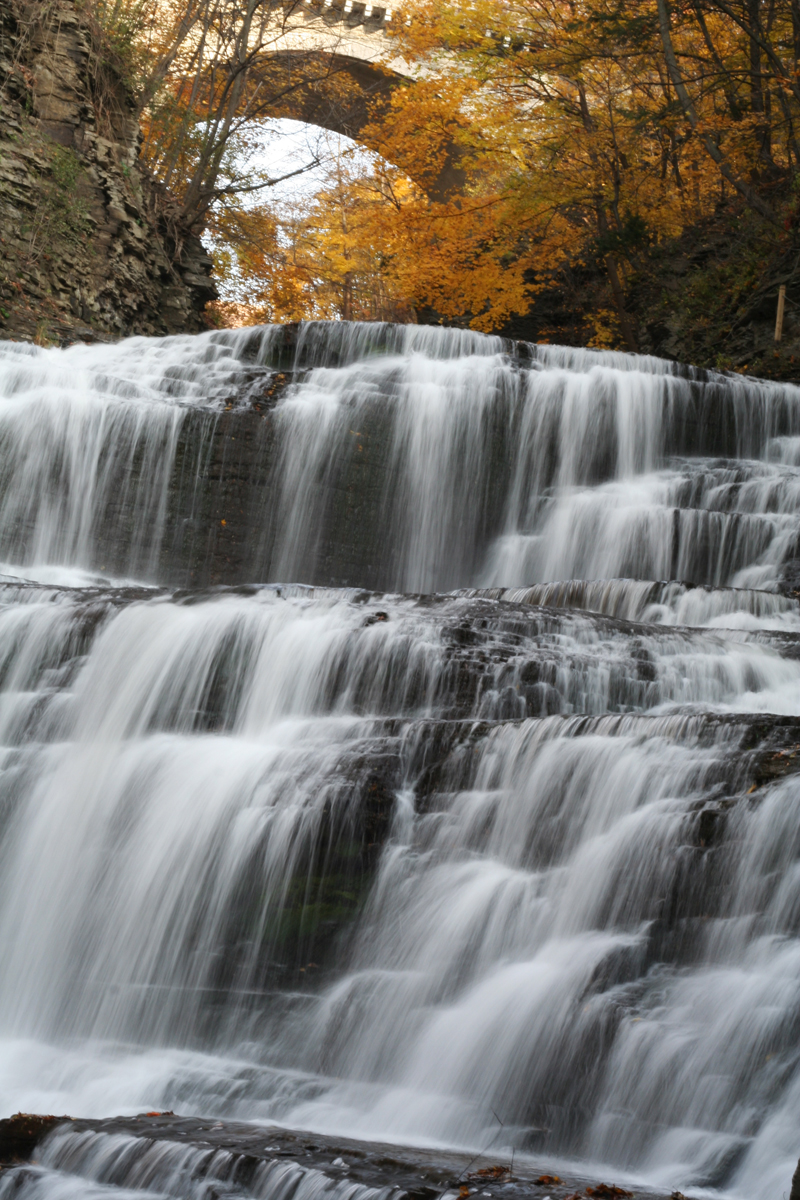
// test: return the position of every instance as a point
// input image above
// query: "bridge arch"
(329, 66)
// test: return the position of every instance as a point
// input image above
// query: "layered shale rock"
(83, 254)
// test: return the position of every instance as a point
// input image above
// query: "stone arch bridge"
(331, 63)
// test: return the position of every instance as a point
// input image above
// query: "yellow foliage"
(536, 137)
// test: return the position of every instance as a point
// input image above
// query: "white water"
(115, 1165)
(487, 819)
(460, 467)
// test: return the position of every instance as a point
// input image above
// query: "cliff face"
(82, 250)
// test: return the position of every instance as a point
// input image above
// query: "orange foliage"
(569, 133)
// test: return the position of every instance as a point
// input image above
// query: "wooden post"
(779, 316)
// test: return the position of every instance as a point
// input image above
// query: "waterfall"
(399, 738)
(396, 458)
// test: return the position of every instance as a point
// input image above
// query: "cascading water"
(461, 807)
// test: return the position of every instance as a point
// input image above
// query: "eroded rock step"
(226, 490)
(433, 684)
(224, 513)
(486, 656)
(190, 1157)
(489, 664)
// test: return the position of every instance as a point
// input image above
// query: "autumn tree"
(594, 129)
(527, 140)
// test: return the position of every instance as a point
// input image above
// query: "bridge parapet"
(357, 29)
(369, 18)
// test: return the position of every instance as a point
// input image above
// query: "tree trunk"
(758, 103)
(714, 152)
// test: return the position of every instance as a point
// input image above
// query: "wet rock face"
(231, 1158)
(436, 725)
(82, 256)
(22, 1133)
(299, 937)
(235, 480)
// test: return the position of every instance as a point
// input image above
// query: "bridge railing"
(376, 17)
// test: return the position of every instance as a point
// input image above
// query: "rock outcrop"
(83, 252)
(243, 1158)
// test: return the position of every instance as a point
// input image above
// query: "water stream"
(439, 816)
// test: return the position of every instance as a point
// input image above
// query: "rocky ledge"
(407, 1173)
